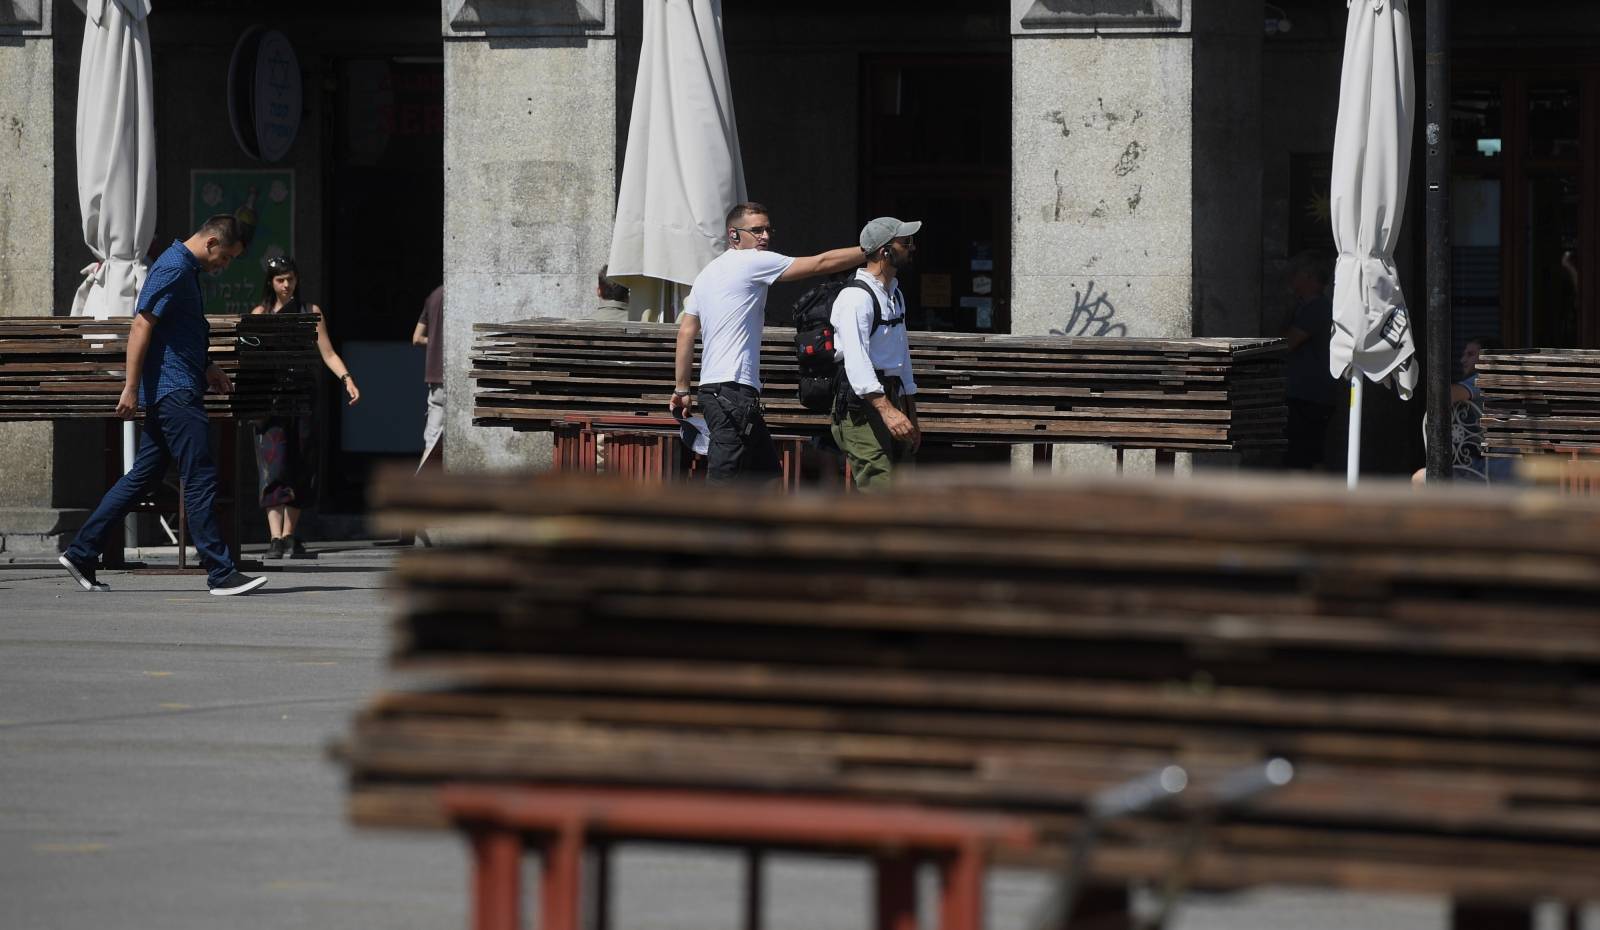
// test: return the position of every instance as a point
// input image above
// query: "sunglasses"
(279, 264)
(756, 230)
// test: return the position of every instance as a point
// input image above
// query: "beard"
(900, 261)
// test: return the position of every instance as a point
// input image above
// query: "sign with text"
(263, 202)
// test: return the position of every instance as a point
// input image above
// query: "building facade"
(1113, 168)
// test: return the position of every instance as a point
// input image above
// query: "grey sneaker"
(237, 583)
(82, 574)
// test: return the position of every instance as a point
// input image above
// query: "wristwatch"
(681, 392)
(345, 376)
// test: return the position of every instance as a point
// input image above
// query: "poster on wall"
(1310, 219)
(263, 201)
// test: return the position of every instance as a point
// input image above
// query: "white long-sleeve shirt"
(864, 352)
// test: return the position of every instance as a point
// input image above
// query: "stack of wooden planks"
(1540, 400)
(1429, 662)
(1220, 394)
(55, 368)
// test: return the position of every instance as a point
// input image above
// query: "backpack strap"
(877, 310)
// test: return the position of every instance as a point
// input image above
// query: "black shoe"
(82, 574)
(237, 583)
(297, 549)
(276, 549)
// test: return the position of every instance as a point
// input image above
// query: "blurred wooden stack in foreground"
(1429, 661)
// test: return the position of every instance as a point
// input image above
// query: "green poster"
(262, 200)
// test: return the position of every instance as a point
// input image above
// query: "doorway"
(936, 146)
(1526, 204)
(385, 251)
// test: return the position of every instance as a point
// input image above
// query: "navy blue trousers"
(175, 429)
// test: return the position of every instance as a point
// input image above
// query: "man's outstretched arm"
(810, 266)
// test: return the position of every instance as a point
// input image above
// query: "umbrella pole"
(1352, 467)
(130, 529)
(1438, 251)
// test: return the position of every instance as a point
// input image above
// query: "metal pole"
(1438, 135)
(1352, 458)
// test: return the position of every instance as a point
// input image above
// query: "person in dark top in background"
(429, 334)
(613, 299)
(1311, 391)
(168, 374)
(286, 456)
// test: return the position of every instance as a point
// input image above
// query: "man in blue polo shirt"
(168, 373)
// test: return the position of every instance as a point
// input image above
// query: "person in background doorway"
(613, 305)
(168, 374)
(875, 415)
(286, 460)
(1312, 392)
(726, 309)
(1466, 403)
(429, 334)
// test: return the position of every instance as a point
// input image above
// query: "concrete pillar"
(29, 521)
(1136, 169)
(529, 186)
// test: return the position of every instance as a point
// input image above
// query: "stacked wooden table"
(56, 368)
(1429, 662)
(1218, 394)
(1540, 400)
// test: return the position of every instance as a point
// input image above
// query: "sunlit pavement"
(163, 764)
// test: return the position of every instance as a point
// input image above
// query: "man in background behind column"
(613, 297)
(1312, 392)
(430, 334)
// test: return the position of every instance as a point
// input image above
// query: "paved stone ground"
(163, 765)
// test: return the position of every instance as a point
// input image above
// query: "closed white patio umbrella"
(1372, 337)
(682, 170)
(116, 148)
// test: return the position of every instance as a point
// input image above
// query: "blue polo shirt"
(176, 359)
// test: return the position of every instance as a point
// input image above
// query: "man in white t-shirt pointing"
(726, 308)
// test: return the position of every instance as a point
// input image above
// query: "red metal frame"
(646, 449)
(560, 821)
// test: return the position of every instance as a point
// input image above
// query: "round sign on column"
(277, 95)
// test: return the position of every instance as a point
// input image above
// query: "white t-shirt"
(730, 298)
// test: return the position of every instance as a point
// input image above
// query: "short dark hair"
(226, 229)
(609, 289)
(742, 210)
(1487, 344)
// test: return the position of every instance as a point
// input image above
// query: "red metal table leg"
(897, 893)
(496, 879)
(561, 879)
(961, 897)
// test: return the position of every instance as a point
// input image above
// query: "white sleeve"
(852, 332)
(907, 379)
(767, 267)
(690, 306)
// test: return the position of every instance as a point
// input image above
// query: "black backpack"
(813, 341)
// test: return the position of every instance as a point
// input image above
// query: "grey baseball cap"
(877, 233)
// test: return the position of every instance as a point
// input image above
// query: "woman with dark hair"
(285, 452)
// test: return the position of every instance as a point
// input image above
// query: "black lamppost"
(1437, 134)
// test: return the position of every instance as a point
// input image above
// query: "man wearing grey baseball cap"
(725, 310)
(875, 417)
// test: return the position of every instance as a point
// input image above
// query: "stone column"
(529, 185)
(30, 523)
(1135, 170)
